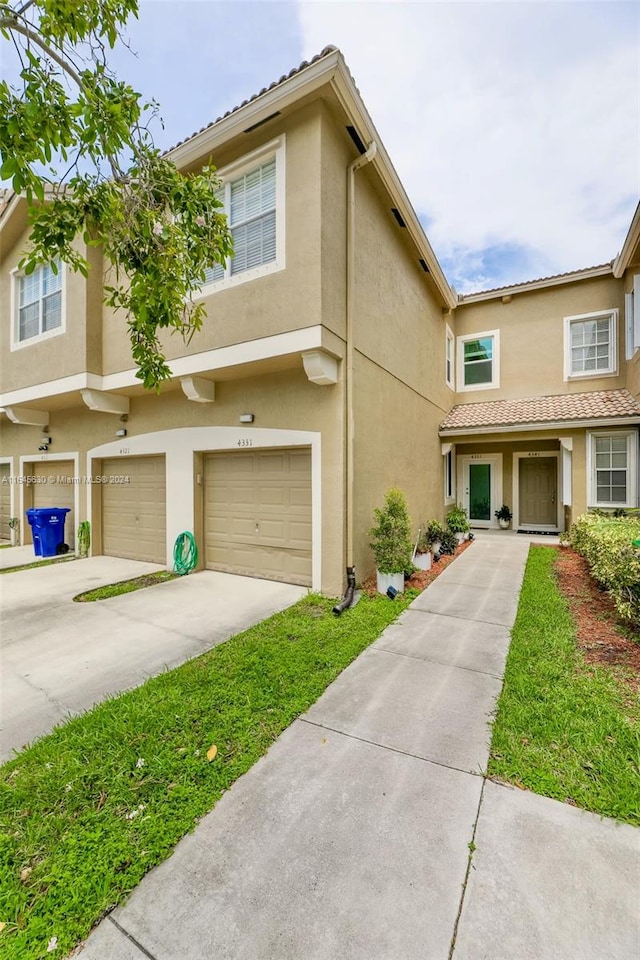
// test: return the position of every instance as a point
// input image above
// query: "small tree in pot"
(391, 541)
(434, 533)
(422, 552)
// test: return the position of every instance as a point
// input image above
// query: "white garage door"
(134, 513)
(257, 514)
(55, 492)
(5, 502)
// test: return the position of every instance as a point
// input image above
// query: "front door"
(538, 491)
(480, 480)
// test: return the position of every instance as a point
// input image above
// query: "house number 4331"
(245, 442)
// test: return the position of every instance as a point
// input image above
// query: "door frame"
(495, 461)
(538, 454)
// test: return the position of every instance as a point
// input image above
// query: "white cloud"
(513, 126)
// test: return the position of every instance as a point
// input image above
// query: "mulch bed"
(604, 639)
(421, 578)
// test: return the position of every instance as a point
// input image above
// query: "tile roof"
(276, 83)
(524, 283)
(596, 405)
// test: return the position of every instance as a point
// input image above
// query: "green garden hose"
(185, 553)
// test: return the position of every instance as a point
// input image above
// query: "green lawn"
(564, 729)
(125, 586)
(88, 810)
(38, 563)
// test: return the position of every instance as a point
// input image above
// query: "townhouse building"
(336, 361)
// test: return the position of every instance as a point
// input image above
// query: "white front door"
(480, 480)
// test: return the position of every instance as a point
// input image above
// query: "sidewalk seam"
(442, 663)
(467, 873)
(133, 940)
(382, 746)
(452, 616)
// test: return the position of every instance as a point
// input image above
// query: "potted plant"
(504, 517)
(422, 551)
(458, 523)
(449, 542)
(433, 534)
(391, 541)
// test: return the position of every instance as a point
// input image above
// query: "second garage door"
(134, 524)
(257, 514)
(55, 492)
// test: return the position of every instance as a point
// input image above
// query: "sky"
(514, 126)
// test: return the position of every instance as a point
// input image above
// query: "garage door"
(257, 514)
(134, 522)
(55, 492)
(5, 502)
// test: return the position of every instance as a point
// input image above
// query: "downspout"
(359, 162)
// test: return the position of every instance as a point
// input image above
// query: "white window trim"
(632, 469)
(275, 148)
(495, 362)
(612, 369)
(16, 342)
(449, 451)
(450, 342)
(632, 319)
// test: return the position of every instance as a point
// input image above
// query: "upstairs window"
(632, 318)
(39, 303)
(449, 360)
(479, 361)
(590, 345)
(253, 200)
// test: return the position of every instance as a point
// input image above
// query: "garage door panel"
(258, 514)
(134, 513)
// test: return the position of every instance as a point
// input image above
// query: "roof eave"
(541, 425)
(632, 238)
(497, 294)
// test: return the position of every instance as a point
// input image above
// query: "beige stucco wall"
(278, 302)
(60, 355)
(396, 444)
(531, 329)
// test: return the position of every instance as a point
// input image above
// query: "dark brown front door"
(538, 491)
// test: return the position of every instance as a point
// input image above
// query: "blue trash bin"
(47, 527)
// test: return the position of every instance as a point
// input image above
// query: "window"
(449, 358)
(479, 361)
(632, 318)
(39, 303)
(253, 199)
(449, 476)
(590, 345)
(613, 469)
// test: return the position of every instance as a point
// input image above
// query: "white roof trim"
(587, 274)
(630, 241)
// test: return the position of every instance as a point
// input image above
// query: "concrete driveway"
(59, 658)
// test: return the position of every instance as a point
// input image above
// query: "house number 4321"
(245, 442)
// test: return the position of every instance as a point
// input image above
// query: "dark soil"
(602, 636)
(421, 578)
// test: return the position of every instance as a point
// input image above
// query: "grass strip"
(564, 729)
(125, 586)
(37, 563)
(86, 811)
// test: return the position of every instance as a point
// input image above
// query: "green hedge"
(607, 545)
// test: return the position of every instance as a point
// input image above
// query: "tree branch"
(15, 27)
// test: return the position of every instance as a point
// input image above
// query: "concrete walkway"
(350, 839)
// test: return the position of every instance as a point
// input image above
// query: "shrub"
(457, 519)
(449, 542)
(391, 536)
(434, 531)
(606, 542)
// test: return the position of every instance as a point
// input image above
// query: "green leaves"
(159, 230)
(391, 535)
(606, 542)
